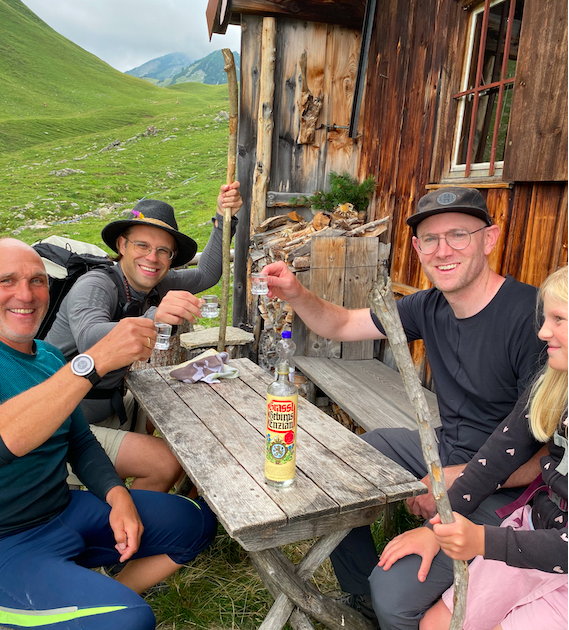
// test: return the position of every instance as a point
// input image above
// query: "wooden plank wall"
(332, 67)
(408, 136)
(332, 63)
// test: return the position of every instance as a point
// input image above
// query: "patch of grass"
(183, 164)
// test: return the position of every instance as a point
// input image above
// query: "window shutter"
(536, 148)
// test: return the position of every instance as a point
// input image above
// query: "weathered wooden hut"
(418, 94)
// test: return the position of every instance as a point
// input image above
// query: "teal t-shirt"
(33, 488)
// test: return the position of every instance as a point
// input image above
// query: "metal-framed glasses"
(144, 249)
(457, 239)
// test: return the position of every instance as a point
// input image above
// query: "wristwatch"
(84, 365)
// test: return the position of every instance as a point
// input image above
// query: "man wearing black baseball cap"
(478, 330)
(143, 283)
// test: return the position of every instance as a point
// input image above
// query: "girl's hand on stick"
(461, 540)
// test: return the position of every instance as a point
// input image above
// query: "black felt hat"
(450, 199)
(154, 214)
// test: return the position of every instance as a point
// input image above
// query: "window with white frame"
(485, 97)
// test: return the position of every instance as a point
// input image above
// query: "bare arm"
(525, 474)
(424, 505)
(324, 318)
(29, 419)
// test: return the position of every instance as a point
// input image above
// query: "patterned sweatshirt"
(510, 446)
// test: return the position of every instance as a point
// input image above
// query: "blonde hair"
(548, 397)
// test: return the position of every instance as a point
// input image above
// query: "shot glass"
(210, 306)
(259, 283)
(163, 332)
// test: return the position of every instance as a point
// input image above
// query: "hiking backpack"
(66, 260)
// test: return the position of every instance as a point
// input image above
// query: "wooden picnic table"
(217, 433)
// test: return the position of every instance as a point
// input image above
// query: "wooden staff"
(231, 161)
(383, 305)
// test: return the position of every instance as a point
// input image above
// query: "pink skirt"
(518, 599)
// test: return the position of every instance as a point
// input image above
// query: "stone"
(67, 171)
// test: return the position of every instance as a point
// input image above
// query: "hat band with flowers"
(157, 214)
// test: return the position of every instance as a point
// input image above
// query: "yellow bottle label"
(280, 443)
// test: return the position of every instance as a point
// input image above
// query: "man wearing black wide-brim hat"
(143, 283)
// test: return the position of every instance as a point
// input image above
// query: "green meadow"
(63, 109)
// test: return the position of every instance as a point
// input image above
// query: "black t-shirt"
(480, 365)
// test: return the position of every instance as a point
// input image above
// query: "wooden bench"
(369, 391)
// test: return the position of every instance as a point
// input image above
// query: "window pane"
(491, 73)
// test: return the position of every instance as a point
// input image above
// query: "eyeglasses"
(144, 248)
(457, 239)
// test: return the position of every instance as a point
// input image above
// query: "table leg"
(283, 608)
(291, 586)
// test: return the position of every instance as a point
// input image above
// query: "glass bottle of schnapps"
(280, 436)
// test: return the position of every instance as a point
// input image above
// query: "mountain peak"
(178, 68)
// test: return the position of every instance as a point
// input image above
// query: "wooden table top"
(217, 433)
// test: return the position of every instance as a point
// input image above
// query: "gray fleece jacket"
(86, 313)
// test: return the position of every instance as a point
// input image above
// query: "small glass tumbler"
(163, 332)
(259, 283)
(210, 306)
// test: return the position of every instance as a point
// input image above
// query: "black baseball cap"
(450, 199)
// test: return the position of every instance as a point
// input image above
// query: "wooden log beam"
(283, 607)
(349, 13)
(231, 162)
(287, 200)
(383, 305)
(265, 124)
(264, 131)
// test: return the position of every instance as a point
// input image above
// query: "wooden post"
(383, 305)
(231, 161)
(265, 123)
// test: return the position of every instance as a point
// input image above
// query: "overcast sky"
(128, 33)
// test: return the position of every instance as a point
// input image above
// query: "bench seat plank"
(371, 393)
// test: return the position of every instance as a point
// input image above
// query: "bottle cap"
(286, 334)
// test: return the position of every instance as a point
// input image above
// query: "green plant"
(343, 189)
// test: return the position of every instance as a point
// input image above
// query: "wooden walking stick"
(383, 305)
(231, 161)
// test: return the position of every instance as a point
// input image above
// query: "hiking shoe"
(112, 570)
(361, 603)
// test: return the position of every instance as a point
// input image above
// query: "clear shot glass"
(210, 306)
(259, 284)
(163, 332)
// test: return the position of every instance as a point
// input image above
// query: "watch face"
(82, 364)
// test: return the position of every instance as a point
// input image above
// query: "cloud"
(128, 33)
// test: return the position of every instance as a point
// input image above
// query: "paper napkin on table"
(209, 367)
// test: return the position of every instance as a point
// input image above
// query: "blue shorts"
(45, 581)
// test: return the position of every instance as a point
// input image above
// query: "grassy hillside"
(89, 106)
(52, 87)
(184, 163)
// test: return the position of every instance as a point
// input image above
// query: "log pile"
(288, 237)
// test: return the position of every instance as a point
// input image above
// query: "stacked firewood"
(288, 237)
